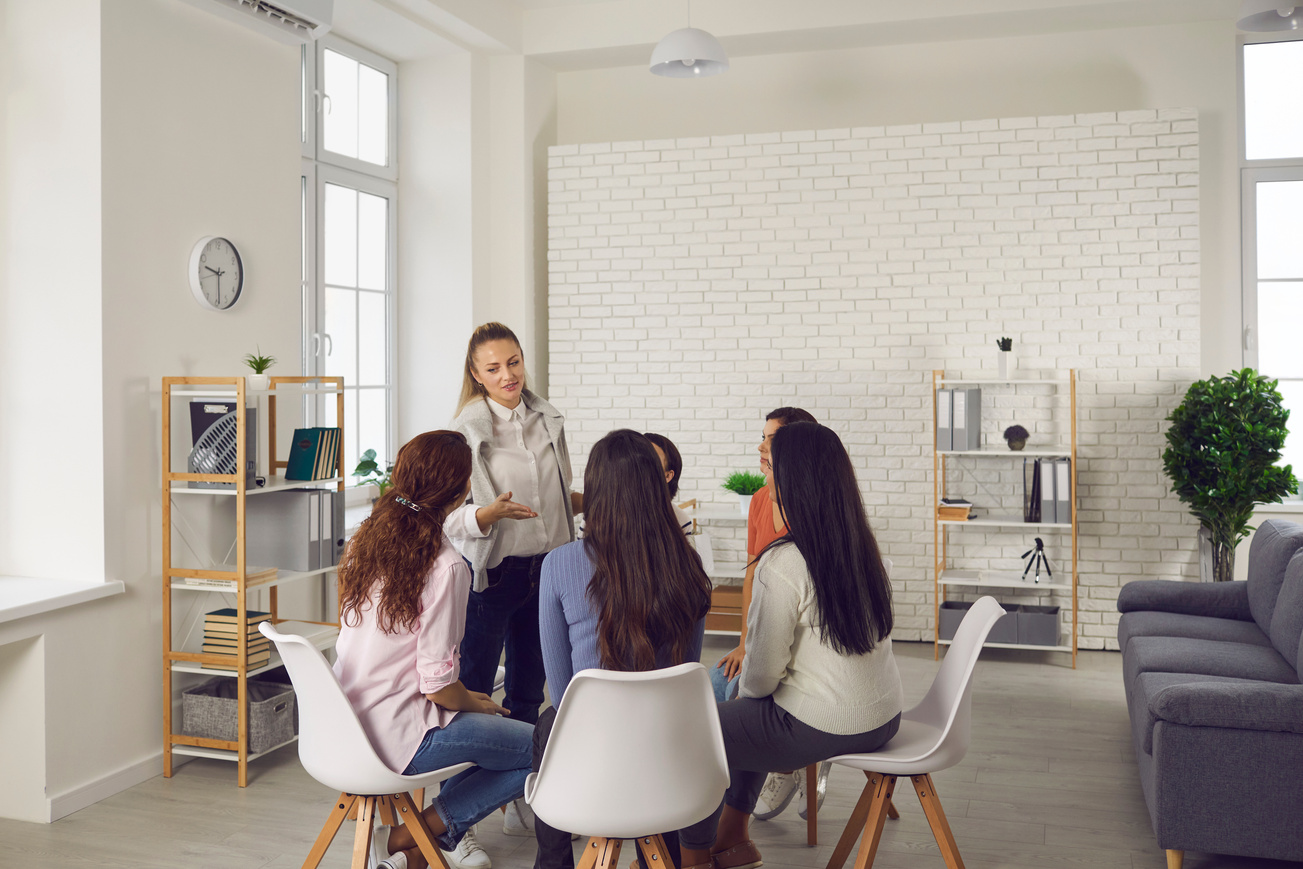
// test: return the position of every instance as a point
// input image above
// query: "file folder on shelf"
(945, 430)
(966, 417)
(1063, 490)
(1048, 499)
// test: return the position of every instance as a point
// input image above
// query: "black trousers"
(554, 848)
(506, 614)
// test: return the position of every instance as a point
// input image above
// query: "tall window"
(1272, 219)
(349, 208)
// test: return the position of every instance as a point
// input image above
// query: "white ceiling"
(587, 34)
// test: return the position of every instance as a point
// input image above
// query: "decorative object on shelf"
(259, 379)
(214, 428)
(1005, 357)
(954, 510)
(1016, 436)
(688, 53)
(368, 472)
(1269, 16)
(744, 484)
(1222, 447)
(216, 273)
(1036, 557)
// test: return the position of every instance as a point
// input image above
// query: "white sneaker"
(468, 854)
(820, 787)
(778, 791)
(380, 858)
(518, 820)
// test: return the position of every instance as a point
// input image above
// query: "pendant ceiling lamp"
(1268, 16)
(689, 53)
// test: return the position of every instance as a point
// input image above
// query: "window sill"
(22, 596)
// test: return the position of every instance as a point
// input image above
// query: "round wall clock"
(216, 273)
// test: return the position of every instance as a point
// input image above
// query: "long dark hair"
(396, 545)
(648, 585)
(673, 460)
(824, 514)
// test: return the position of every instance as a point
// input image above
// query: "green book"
(303, 454)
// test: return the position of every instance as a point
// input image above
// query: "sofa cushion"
(1159, 624)
(1149, 687)
(1206, 658)
(1287, 620)
(1274, 544)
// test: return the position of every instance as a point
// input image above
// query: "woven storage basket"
(209, 711)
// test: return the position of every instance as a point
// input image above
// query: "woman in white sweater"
(818, 679)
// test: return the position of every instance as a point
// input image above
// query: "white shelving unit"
(234, 580)
(948, 577)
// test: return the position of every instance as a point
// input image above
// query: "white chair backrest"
(948, 703)
(632, 754)
(333, 746)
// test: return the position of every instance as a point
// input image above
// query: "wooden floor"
(1049, 782)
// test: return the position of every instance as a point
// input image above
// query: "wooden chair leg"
(366, 817)
(610, 856)
(343, 806)
(854, 825)
(385, 808)
(936, 818)
(891, 811)
(415, 822)
(1175, 859)
(594, 849)
(811, 805)
(868, 817)
(655, 852)
(418, 797)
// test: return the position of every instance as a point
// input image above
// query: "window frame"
(356, 52)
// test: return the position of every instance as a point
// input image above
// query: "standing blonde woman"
(520, 509)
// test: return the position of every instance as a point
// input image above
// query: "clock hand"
(213, 270)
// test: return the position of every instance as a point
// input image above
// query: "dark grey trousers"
(760, 737)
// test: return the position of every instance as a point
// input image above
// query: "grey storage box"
(951, 614)
(1005, 629)
(209, 711)
(1038, 625)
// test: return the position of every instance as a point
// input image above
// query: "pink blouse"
(386, 676)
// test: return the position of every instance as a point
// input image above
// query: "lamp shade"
(1267, 16)
(688, 53)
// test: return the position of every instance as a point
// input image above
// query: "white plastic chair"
(631, 755)
(335, 751)
(933, 736)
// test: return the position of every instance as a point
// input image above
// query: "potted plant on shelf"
(1006, 356)
(745, 484)
(259, 379)
(368, 473)
(1017, 436)
(1222, 448)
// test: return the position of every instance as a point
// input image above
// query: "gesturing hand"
(502, 508)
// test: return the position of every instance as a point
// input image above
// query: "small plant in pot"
(1005, 358)
(1222, 447)
(368, 472)
(259, 379)
(744, 484)
(1017, 436)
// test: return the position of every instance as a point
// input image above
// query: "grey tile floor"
(1048, 782)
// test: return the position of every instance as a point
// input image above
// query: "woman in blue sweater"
(631, 595)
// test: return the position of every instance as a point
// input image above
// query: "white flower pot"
(745, 501)
(257, 381)
(1006, 364)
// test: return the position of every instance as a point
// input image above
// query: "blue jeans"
(501, 751)
(506, 613)
(725, 688)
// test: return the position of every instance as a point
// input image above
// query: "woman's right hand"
(501, 508)
(478, 701)
(732, 662)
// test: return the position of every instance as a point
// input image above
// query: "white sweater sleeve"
(771, 630)
(462, 524)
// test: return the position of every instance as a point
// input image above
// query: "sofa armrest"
(1268, 706)
(1225, 600)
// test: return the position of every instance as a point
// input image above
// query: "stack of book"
(223, 635)
(252, 576)
(314, 454)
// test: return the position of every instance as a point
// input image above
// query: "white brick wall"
(696, 284)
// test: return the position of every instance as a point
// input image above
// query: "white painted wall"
(1062, 73)
(50, 394)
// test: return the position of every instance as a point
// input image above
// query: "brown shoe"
(743, 855)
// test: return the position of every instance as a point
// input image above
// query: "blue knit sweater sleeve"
(567, 622)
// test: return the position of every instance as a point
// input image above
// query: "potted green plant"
(744, 484)
(1222, 448)
(1005, 346)
(259, 379)
(368, 472)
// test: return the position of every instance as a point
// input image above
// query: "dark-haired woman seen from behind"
(402, 592)
(818, 679)
(631, 595)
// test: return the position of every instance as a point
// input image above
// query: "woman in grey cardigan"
(520, 509)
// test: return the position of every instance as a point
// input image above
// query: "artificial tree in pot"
(1222, 447)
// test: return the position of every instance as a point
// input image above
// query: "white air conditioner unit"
(290, 21)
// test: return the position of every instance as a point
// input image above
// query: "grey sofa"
(1212, 684)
